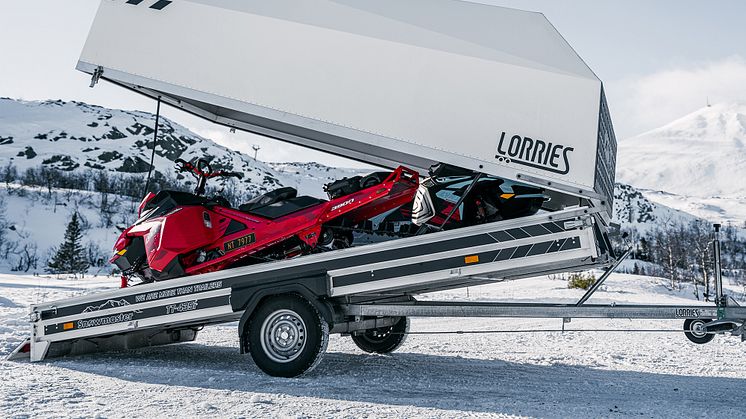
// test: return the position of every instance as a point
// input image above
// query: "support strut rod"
(603, 278)
(155, 144)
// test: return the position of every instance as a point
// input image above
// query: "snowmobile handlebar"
(203, 169)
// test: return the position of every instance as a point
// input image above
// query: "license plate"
(239, 242)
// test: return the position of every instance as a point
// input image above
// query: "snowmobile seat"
(269, 198)
(286, 207)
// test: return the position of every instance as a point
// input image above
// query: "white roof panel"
(488, 32)
(387, 82)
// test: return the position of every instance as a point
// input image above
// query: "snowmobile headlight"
(153, 238)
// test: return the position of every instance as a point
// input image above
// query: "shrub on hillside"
(581, 280)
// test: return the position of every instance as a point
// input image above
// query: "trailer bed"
(545, 243)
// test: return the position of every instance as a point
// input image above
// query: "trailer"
(302, 300)
(493, 90)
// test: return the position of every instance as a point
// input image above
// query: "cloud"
(639, 104)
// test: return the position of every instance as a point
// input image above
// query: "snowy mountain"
(696, 164)
(76, 137)
(309, 177)
(701, 155)
(719, 209)
(633, 209)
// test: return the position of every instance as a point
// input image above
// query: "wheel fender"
(324, 308)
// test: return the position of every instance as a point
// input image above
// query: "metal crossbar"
(485, 332)
(540, 310)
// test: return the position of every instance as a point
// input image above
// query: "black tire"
(693, 331)
(383, 340)
(287, 336)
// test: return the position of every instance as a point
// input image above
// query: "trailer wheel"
(695, 332)
(383, 340)
(287, 336)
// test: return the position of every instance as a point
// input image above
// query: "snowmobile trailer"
(487, 89)
(287, 309)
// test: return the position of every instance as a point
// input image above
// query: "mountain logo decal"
(109, 304)
(158, 5)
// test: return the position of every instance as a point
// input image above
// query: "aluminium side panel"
(388, 82)
(544, 247)
(605, 156)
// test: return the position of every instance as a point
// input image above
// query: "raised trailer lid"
(386, 82)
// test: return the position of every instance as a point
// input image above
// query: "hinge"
(97, 73)
(34, 316)
(579, 223)
(569, 225)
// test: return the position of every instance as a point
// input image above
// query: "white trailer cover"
(387, 82)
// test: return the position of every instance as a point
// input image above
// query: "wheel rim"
(697, 329)
(283, 336)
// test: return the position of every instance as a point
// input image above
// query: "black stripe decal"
(572, 243)
(503, 236)
(553, 227)
(522, 251)
(134, 299)
(160, 4)
(518, 233)
(539, 249)
(504, 254)
(535, 230)
(135, 314)
(135, 2)
(517, 252)
(415, 268)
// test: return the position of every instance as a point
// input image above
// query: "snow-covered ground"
(39, 218)
(547, 374)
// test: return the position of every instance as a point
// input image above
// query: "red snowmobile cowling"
(180, 233)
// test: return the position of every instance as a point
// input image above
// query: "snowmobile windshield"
(166, 201)
(452, 188)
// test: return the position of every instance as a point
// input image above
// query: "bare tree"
(3, 223)
(27, 258)
(9, 175)
(670, 253)
(699, 241)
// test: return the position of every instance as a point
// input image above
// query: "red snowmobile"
(180, 233)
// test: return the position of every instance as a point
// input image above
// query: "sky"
(659, 60)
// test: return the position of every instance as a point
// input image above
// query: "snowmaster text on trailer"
(492, 91)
